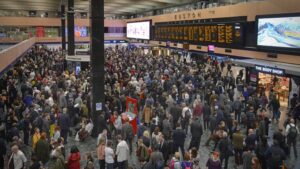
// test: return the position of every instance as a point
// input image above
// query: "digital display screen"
(282, 32)
(221, 34)
(211, 48)
(139, 30)
(80, 31)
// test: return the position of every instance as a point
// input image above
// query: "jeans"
(102, 164)
(206, 124)
(294, 144)
(237, 116)
(122, 165)
(226, 161)
(195, 142)
(238, 153)
(110, 165)
(64, 135)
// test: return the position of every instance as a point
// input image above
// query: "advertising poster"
(132, 112)
(40, 31)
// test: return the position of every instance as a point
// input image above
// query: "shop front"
(265, 76)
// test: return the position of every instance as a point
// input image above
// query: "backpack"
(292, 132)
(276, 158)
(159, 164)
(189, 166)
(172, 164)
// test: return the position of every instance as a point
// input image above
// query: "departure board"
(226, 34)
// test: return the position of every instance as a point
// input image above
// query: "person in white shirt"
(56, 135)
(292, 132)
(109, 155)
(122, 152)
(102, 135)
(17, 158)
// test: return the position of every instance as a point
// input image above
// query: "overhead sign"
(224, 34)
(270, 70)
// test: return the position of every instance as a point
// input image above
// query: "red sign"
(132, 112)
(40, 31)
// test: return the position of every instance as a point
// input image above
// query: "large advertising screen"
(279, 32)
(79, 31)
(139, 30)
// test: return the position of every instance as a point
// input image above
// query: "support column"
(71, 43)
(97, 60)
(63, 27)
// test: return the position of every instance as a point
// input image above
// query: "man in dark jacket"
(225, 152)
(127, 134)
(196, 131)
(178, 138)
(206, 115)
(2, 152)
(64, 123)
(250, 118)
(251, 140)
(275, 156)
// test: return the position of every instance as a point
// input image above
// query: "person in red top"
(74, 159)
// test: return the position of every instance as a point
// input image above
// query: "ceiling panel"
(111, 6)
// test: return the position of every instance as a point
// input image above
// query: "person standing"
(292, 132)
(127, 133)
(36, 137)
(122, 153)
(237, 141)
(101, 153)
(196, 131)
(42, 149)
(17, 159)
(275, 156)
(225, 152)
(64, 123)
(109, 155)
(74, 158)
(214, 162)
(2, 152)
(275, 104)
(179, 138)
(247, 159)
(206, 115)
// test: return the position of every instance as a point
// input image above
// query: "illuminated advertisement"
(282, 32)
(139, 30)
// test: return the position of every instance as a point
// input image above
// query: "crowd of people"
(42, 102)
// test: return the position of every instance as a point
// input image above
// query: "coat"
(196, 129)
(42, 150)
(74, 161)
(147, 114)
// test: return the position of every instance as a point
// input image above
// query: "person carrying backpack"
(292, 133)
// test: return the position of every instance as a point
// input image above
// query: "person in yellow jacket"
(36, 137)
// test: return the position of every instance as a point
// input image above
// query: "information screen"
(282, 32)
(222, 34)
(139, 30)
